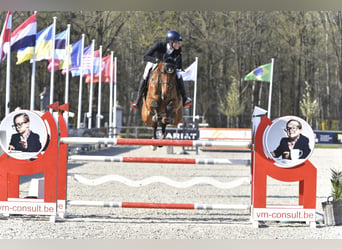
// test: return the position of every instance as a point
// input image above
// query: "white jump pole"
(208, 161)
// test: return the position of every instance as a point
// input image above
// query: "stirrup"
(187, 102)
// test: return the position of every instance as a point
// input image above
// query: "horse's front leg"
(170, 112)
(163, 131)
(154, 135)
(154, 132)
(163, 134)
(154, 111)
(155, 115)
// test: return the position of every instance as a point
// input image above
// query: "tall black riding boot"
(141, 90)
(186, 100)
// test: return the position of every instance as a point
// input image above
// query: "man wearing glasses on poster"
(24, 140)
(295, 146)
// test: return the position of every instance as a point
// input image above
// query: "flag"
(60, 42)
(54, 106)
(23, 39)
(64, 107)
(98, 65)
(76, 49)
(262, 73)
(105, 76)
(75, 69)
(60, 51)
(190, 73)
(44, 43)
(75, 56)
(87, 61)
(6, 36)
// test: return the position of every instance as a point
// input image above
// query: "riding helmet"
(173, 35)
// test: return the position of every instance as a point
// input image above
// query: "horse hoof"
(154, 148)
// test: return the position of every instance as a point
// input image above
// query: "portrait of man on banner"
(289, 141)
(23, 134)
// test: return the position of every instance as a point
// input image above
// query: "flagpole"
(33, 77)
(8, 70)
(91, 84)
(66, 58)
(52, 61)
(195, 93)
(115, 83)
(111, 96)
(270, 91)
(99, 91)
(80, 86)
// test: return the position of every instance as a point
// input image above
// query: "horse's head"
(168, 77)
(169, 64)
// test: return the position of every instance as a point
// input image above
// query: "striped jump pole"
(156, 142)
(209, 161)
(189, 206)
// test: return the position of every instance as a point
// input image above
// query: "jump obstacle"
(54, 202)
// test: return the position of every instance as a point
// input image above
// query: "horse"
(163, 105)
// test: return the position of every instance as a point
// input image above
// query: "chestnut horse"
(163, 104)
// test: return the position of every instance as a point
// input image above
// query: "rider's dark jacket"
(157, 51)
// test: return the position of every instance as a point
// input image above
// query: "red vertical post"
(305, 174)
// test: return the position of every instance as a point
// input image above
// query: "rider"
(172, 47)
